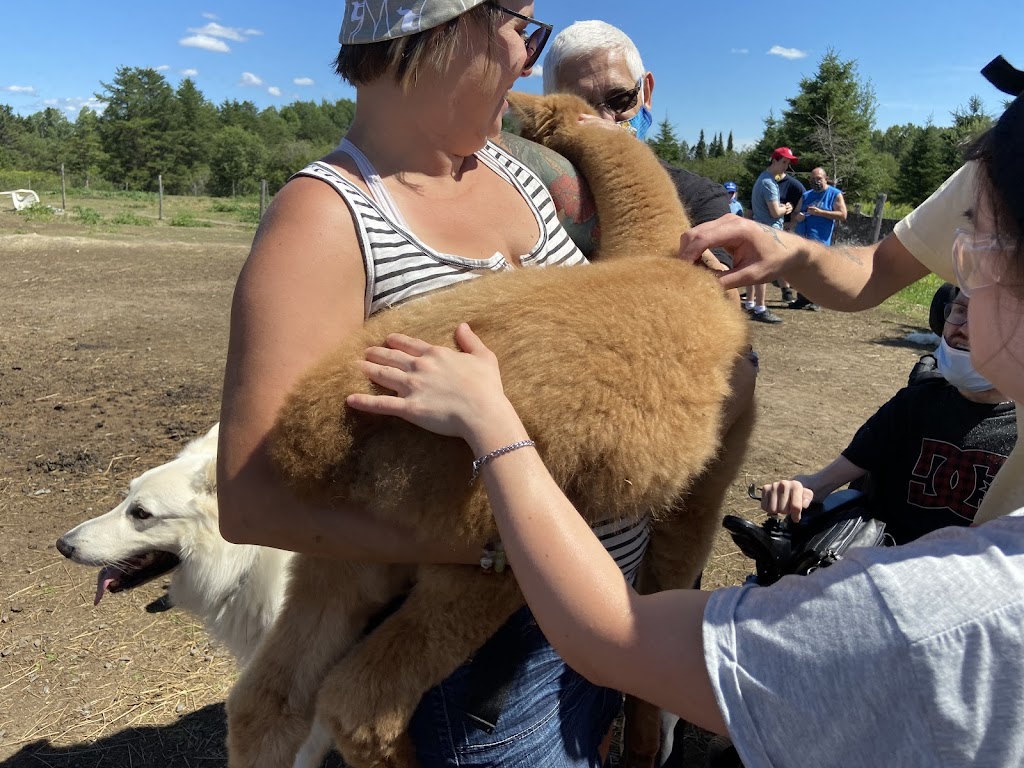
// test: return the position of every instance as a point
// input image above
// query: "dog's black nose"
(64, 548)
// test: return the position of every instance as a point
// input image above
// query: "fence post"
(876, 221)
(263, 197)
(63, 192)
(160, 188)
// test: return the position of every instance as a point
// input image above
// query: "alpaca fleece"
(619, 371)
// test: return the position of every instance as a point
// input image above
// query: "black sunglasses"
(535, 40)
(622, 101)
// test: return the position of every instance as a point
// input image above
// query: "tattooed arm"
(846, 278)
(572, 197)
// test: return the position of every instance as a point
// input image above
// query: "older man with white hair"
(600, 63)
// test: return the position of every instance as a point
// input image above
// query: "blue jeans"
(552, 716)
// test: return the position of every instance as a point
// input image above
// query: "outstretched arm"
(651, 646)
(842, 277)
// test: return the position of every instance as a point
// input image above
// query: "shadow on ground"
(196, 739)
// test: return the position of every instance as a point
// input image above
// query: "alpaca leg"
(678, 551)
(682, 543)
(641, 734)
(313, 750)
(369, 697)
(270, 708)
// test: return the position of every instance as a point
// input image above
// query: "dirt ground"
(111, 355)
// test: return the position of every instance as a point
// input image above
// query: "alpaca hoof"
(262, 731)
(633, 759)
(367, 734)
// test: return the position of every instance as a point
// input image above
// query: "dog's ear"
(205, 444)
(210, 477)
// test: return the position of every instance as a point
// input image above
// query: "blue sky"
(719, 66)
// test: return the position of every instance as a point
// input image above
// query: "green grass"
(88, 216)
(37, 212)
(124, 217)
(914, 300)
(188, 219)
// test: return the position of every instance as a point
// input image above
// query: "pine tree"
(193, 127)
(85, 150)
(924, 166)
(136, 127)
(700, 152)
(759, 157)
(729, 149)
(666, 144)
(829, 123)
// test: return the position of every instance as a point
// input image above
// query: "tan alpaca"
(619, 371)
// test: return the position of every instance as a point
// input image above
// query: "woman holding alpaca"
(415, 198)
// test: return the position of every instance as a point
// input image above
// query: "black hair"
(1000, 155)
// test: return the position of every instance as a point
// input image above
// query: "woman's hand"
(787, 497)
(439, 389)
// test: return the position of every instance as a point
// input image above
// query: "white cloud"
(303, 81)
(787, 53)
(739, 50)
(163, 67)
(274, 90)
(206, 43)
(249, 80)
(211, 16)
(18, 89)
(537, 71)
(75, 104)
(213, 29)
(189, 72)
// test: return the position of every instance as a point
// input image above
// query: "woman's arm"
(650, 646)
(300, 293)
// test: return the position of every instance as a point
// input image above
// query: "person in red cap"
(768, 209)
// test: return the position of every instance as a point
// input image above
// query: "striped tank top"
(400, 267)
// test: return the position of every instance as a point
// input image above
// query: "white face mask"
(955, 367)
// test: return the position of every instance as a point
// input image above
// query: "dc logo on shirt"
(950, 478)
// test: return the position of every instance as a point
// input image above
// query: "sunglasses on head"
(534, 40)
(623, 101)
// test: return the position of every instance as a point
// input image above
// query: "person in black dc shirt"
(930, 453)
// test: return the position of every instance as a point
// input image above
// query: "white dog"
(168, 523)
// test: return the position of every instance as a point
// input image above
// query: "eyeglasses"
(955, 313)
(623, 101)
(977, 260)
(535, 40)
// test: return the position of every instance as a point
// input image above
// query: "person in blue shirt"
(822, 206)
(735, 206)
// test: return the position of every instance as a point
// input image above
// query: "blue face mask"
(640, 123)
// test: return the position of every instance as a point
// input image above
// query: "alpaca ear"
(526, 108)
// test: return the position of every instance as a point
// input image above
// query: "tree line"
(831, 123)
(149, 129)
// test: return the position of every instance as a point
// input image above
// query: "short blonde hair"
(402, 58)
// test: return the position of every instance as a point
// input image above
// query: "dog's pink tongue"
(107, 575)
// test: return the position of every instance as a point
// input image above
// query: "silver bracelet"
(478, 464)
